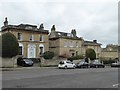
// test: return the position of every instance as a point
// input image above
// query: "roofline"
(13, 28)
(65, 38)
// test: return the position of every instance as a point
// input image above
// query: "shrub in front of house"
(108, 61)
(10, 46)
(75, 57)
(48, 55)
(36, 60)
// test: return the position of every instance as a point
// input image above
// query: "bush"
(48, 55)
(90, 53)
(75, 57)
(10, 45)
(108, 61)
(36, 60)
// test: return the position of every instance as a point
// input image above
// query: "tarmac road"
(61, 78)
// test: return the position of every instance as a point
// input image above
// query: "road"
(61, 78)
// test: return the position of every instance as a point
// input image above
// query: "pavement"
(22, 68)
(34, 67)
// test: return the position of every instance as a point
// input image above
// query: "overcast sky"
(92, 19)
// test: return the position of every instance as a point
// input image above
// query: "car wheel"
(23, 64)
(65, 67)
(74, 67)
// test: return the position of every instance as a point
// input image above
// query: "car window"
(96, 62)
(68, 62)
(81, 63)
(61, 62)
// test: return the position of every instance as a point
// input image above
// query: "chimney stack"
(95, 41)
(5, 22)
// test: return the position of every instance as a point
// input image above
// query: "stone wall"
(8, 62)
(54, 62)
(108, 55)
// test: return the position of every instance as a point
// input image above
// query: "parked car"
(116, 64)
(24, 62)
(82, 64)
(66, 64)
(96, 64)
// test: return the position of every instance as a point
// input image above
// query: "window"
(76, 52)
(71, 44)
(31, 37)
(41, 38)
(65, 44)
(76, 44)
(28, 27)
(41, 50)
(19, 36)
(20, 50)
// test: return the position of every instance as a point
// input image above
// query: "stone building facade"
(62, 43)
(110, 52)
(32, 41)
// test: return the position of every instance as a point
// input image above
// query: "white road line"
(116, 85)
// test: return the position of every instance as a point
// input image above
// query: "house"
(64, 44)
(68, 44)
(94, 45)
(110, 52)
(32, 41)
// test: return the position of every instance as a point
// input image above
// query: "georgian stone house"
(62, 43)
(110, 52)
(94, 45)
(32, 41)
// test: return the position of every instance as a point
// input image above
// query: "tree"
(90, 53)
(10, 46)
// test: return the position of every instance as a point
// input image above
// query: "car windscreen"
(61, 63)
(27, 60)
(96, 63)
(81, 62)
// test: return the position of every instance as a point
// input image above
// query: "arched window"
(41, 49)
(21, 49)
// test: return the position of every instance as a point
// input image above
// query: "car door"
(69, 64)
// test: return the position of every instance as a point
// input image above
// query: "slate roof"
(91, 43)
(59, 34)
(111, 48)
(26, 27)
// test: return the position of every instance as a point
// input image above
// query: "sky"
(92, 19)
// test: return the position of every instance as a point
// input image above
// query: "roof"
(65, 35)
(91, 43)
(26, 27)
(111, 48)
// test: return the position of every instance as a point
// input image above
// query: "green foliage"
(108, 61)
(36, 60)
(10, 45)
(48, 55)
(75, 57)
(90, 53)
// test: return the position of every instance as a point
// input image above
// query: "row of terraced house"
(34, 41)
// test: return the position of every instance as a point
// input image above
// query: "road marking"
(116, 85)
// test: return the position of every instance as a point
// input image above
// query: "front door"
(31, 51)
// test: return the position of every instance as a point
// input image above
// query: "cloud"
(92, 20)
